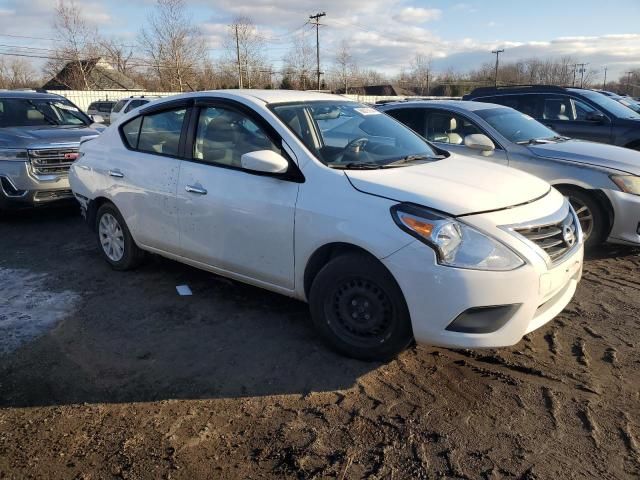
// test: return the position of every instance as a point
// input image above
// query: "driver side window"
(225, 135)
(446, 127)
(583, 110)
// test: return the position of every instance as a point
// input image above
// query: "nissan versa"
(332, 202)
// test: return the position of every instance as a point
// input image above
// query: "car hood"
(457, 185)
(27, 137)
(591, 153)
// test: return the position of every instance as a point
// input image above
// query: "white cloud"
(418, 15)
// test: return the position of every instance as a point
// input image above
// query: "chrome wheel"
(585, 216)
(111, 237)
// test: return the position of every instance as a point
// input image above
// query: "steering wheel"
(354, 147)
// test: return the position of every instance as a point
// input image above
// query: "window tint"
(527, 104)
(160, 132)
(414, 118)
(130, 130)
(118, 106)
(445, 127)
(105, 107)
(557, 108)
(582, 110)
(225, 135)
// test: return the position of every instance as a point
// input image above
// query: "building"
(91, 74)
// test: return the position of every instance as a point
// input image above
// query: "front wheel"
(592, 217)
(359, 309)
(115, 240)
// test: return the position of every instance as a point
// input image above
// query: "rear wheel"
(115, 240)
(592, 217)
(358, 308)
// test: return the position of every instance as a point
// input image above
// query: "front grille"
(555, 239)
(51, 161)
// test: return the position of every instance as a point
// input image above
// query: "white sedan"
(329, 201)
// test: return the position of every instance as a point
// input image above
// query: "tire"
(586, 205)
(114, 239)
(359, 310)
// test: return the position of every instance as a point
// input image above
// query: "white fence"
(83, 98)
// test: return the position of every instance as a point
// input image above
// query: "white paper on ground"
(183, 290)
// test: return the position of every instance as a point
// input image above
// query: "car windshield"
(351, 135)
(516, 126)
(33, 112)
(610, 105)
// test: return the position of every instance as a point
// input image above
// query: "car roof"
(459, 105)
(266, 96)
(28, 94)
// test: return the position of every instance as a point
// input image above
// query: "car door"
(575, 118)
(143, 179)
(233, 219)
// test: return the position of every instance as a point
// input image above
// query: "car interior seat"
(454, 137)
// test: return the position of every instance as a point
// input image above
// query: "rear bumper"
(20, 188)
(626, 222)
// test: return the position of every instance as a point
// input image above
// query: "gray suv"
(602, 182)
(39, 138)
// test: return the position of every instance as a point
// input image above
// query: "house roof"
(100, 76)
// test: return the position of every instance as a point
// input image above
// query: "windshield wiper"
(534, 140)
(357, 166)
(411, 159)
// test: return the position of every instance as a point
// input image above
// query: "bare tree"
(244, 45)
(344, 66)
(173, 45)
(119, 56)
(420, 73)
(17, 73)
(300, 63)
(77, 44)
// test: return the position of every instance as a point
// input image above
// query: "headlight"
(456, 244)
(13, 154)
(627, 183)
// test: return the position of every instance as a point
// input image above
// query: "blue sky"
(383, 34)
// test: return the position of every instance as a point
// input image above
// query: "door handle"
(116, 173)
(198, 190)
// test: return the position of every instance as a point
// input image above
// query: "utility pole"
(575, 66)
(604, 83)
(238, 56)
(317, 18)
(497, 54)
(582, 70)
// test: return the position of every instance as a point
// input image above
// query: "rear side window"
(414, 118)
(527, 103)
(160, 132)
(118, 106)
(130, 132)
(134, 104)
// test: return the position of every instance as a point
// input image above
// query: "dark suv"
(39, 138)
(572, 112)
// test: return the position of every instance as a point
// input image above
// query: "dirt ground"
(113, 375)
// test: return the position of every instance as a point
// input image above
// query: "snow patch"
(28, 309)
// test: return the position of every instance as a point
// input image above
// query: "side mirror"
(595, 117)
(480, 142)
(265, 161)
(97, 118)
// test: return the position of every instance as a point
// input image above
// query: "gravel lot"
(113, 375)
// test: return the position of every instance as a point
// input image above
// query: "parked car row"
(396, 227)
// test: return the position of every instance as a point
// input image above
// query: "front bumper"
(19, 187)
(626, 218)
(437, 295)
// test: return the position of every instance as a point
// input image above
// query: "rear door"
(143, 180)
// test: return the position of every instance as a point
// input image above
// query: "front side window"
(612, 106)
(352, 135)
(516, 126)
(414, 118)
(445, 127)
(224, 135)
(160, 132)
(27, 112)
(557, 108)
(583, 110)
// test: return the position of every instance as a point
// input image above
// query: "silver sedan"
(601, 181)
